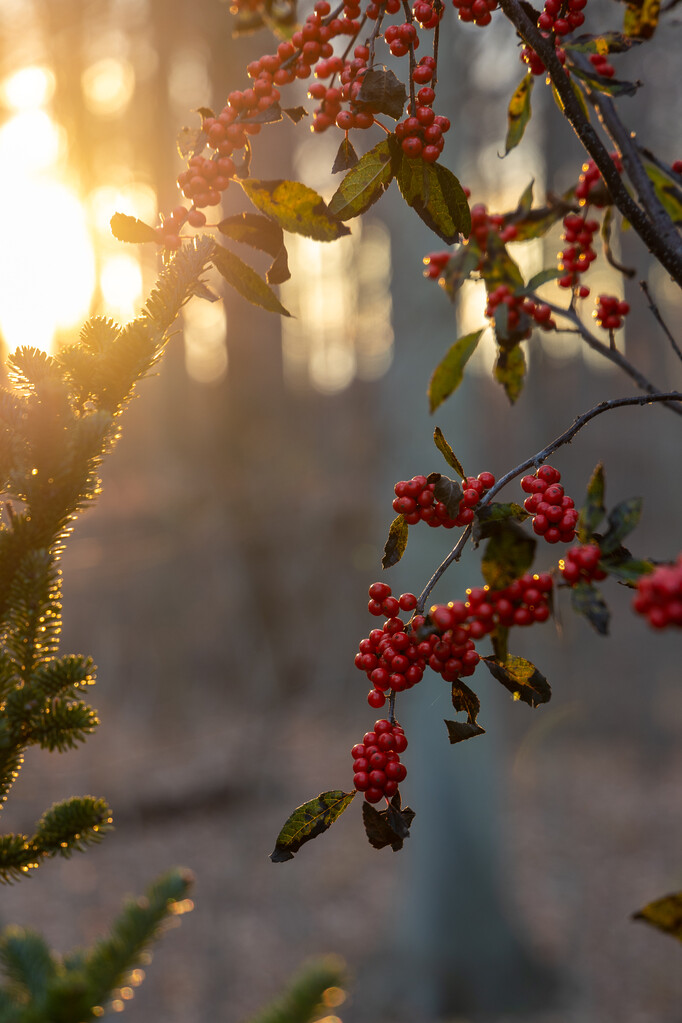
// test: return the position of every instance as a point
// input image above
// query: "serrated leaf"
(665, 914)
(190, 141)
(383, 92)
(543, 277)
(308, 821)
(130, 229)
(510, 370)
(521, 678)
(295, 114)
(255, 230)
(593, 510)
(365, 183)
(437, 197)
(587, 600)
(487, 517)
(449, 373)
(387, 827)
(667, 189)
(279, 271)
(610, 86)
(508, 554)
(396, 542)
(641, 18)
(295, 207)
(345, 158)
(519, 112)
(622, 520)
(458, 731)
(245, 280)
(465, 701)
(447, 452)
(446, 490)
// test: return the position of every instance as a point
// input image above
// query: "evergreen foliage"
(304, 996)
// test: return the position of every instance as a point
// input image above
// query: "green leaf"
(130, 229)
(519, 112)
(593, 511)
(610, 86)
(510, 369)
(365, 183)
(396, 542)
(308, 821)
(449, 373)
(346, 157)
(447, 452)
(458, 731)
(489, 515)
(295, 207)
(387, 827)
(641, 18)
(521, 678)
(665, 914)
(588, 601)
(622, 520)
(245, 280)
(667, 189)
(437, 197)
(508, 554)
(537, 222)
(499, 267)
(252, 229)
(448, 491)
(543, 277)
(383, 92)
(627, 569)
(603, 44)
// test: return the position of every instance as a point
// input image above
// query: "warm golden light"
(108, 86)
(30, 87)
(137, 199)
(30, 141)
(205, 332)
(121, 285)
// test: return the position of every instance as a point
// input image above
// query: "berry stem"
(413, 62)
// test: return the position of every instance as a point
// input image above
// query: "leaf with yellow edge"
(365, 183)
(245, 280)
(518, 112)
(521, 678)
(664, 913)
(641, 18)
(510, 369)
(308, 821)
(295, 207)
(448, 374)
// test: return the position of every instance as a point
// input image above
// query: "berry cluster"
(415, 499)
(523, 602)
(578, 255)
(602, 65)
(478, 11)
(555, 516)
(659, 596)
(376, 761)
(591, 187)
(421, 133)
(428, 13)
(483, 223)
(516, 306)
(581, 564)
(390, 657)
(610, 312)
(435, 263)
(562, 17)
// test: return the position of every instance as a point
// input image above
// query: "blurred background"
(220, 584)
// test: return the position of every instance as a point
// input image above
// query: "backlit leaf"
(610, 86)
(665, 914)
(510, 369)
(508, 554)
(295, 207)
(245, 280)
(396, 542)
(387, 827)
(577, 92)
(465, 700)
(130, 229)
(587, 600)
(519, 112)
(449, 372)
(489, 515)
(308, 821)
(622, 520)
(603, 44)
(667, 189)
(191, 141)
(447, 452)
(641, 18)
(461, 265)
(365, 183)
(252, 229)
(499, 267)
(436, 195)
(295, 114)
(593, 510)
(279, 271)
(521, 678)
(536, 222)
(543, 277)
(346, 157)
(383, 91)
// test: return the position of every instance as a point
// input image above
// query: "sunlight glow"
(136, 199)
(108, 86)
(121, 284)
(205, 332)
(31, 141)
(30, 87)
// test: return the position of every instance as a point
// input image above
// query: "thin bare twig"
(657, 315)
(534, 462)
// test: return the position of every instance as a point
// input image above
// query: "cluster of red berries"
(477, 11)
(554, 514)
(435, 263)
(415, 499)
(399, 38)
(578, 255)
(483, 223)
(523, 602)
(591, 187)
(390, 657)
(602, 65)
(517, 305)
(659, 595)
(376, 761)
(421, 133)
(428, 14)
(610, 312)
(562, 17)
(581, 564)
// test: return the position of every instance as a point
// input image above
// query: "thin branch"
(657, 315)
(612, 354)
(534, 462)
(669, 256)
